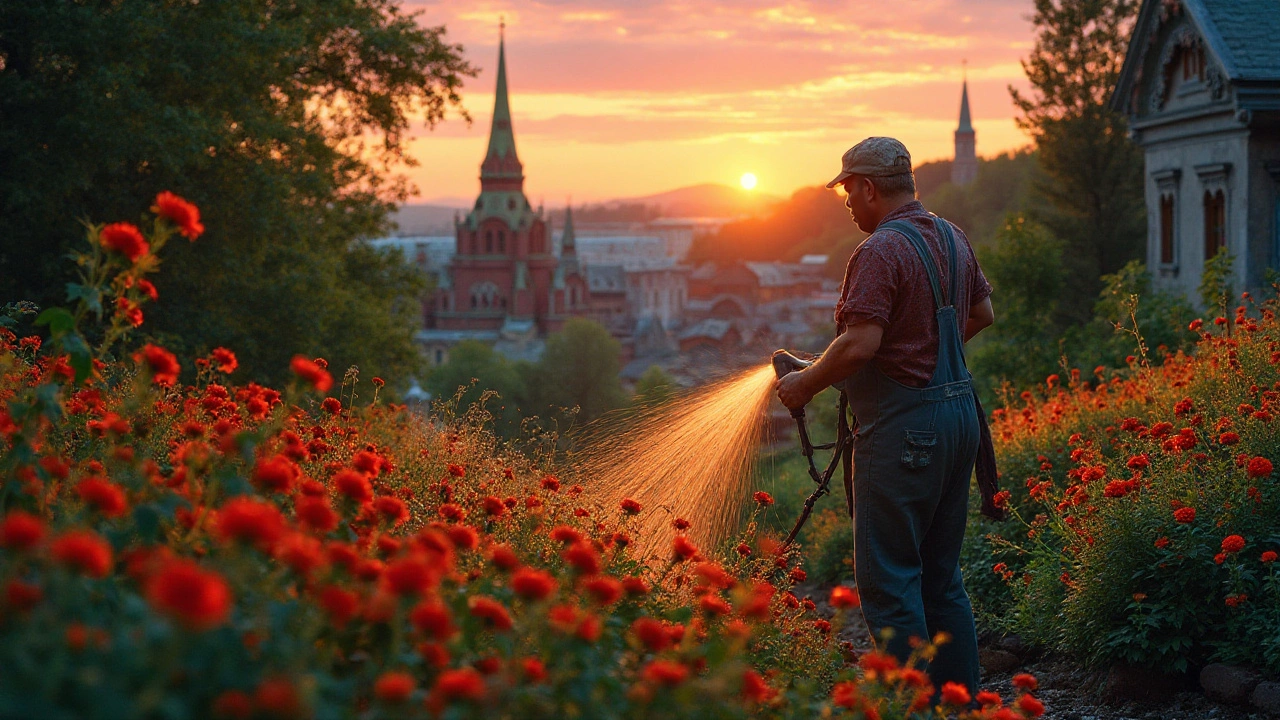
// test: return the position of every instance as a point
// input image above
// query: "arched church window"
(502, 241)
(488, 241)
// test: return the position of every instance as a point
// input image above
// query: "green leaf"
(91, 296)
(58, 319)
(81, 356)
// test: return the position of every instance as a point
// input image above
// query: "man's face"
(856, 190)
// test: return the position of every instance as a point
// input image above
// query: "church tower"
(964, 168)
(501, 276)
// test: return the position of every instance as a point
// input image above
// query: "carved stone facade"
(1201, 87)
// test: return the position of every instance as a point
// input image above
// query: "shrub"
(1146, 505)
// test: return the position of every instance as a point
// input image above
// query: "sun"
(748, 181)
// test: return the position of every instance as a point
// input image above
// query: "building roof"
(502, 138)
(606, 278)
(1239, 34)
(1244, 33)
(712, 328)
(966, 125)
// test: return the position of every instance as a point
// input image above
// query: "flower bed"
(206, 549)
(1147, 509)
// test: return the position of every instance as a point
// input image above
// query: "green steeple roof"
(502, 139)
(966, 125)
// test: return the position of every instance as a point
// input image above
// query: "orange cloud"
(628, 97)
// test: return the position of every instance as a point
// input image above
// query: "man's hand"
(793, 390)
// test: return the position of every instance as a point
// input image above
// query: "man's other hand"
(793, 390)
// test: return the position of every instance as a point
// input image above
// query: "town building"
(964, 166)
(1201, 87)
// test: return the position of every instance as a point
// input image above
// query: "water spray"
(784, 363)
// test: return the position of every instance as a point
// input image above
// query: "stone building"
(964, 168)
(1201, 87)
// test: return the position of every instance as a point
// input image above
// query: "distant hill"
(706, 200)
(425, 219)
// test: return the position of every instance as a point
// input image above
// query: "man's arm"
(842, 358)
(981, 316)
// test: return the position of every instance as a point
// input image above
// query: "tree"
(654, 387)
(578, 369)
(1094, 169)
(283, 121)
(1025, 271)
(475, 369)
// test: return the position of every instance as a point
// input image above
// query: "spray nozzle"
(784, 363)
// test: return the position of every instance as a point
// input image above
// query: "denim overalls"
(914, 452)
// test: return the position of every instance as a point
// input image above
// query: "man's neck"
(893, 205)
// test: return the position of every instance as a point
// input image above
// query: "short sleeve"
(979, 288)
(870, 288)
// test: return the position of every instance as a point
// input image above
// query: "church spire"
(568, 241)
(966, 124)
(500, 161)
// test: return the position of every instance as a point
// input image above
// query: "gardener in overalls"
(912, 295)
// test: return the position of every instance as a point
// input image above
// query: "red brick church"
(506, 280)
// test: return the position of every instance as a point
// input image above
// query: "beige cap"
(874, 157)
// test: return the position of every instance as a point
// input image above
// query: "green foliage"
(1093, 189)
(478, 376)
(1024, 268)
(654, 387)
(1215, 283)
(579, 369)
(981, 207)
(281, 121)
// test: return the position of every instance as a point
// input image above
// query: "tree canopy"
(284, 121)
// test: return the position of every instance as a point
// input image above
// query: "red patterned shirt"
(886, 283)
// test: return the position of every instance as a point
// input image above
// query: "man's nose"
(847, 200)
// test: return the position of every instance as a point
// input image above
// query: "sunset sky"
(619, 98)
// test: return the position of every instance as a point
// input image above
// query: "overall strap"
(909, 231)
(953, 277)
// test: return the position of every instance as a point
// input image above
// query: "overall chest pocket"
(918, 447)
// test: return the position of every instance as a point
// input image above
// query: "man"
(899, 357)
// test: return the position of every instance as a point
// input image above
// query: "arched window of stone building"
(502, 241)
(1215, 223)
(484, 295)
(488, 241)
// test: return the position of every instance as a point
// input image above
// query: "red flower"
(198, 599)
(798, 575)
(1268, 556)
(276, 474)
(232, 705)
(1228, 438)
(629, 506)
(432, 618)
(504, 558)
(754, 688)
(21, 530)
(308, 370)
(83, 550)
(246, 519)
(1030, 706)
(124, 238)
(1139, 462)
(315, 513)
(459, 471)
(955, 694)
(583, 557)
(225, 360)
(533, 669)
(180, 212)
(652, 633)
(492, 612)
(665, 672)
(680, 524)
(163, 365)
(714, 605)
(464, 537)
(744, 549)
(1025, 681)
(565, 534)
(1232, 544)
(412, 575)
(763, 498)
(1259, 467)
(102, 495)
(392, 509)
(533, 584)
(277, 697)
(462, 684)
(341, 604)
(494, 507)
(353, 484)
(986, 698)
(845, 597)
(394, 687)
(682, 549)
(1162, 542)
(378, 382)
(333, 406)
(1185, 515)
(301, 552)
